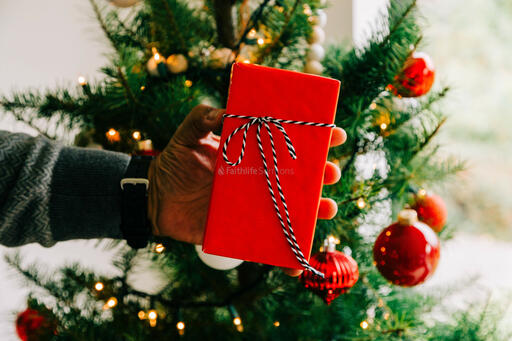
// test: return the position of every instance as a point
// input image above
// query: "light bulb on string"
(364, 325)
(188, 83)
(82, 81)
(152, 317)
(260, 41)
(277, 324)
(113, 135)
(383, 126)
(141, 315)
(159, 248)
(136, 135)
(99, 286)
(111, 303)
(361, 203)
(237, 321)
(180, 326)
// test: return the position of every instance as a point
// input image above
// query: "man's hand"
(181, 178)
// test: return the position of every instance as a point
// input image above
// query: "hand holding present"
(181, 178)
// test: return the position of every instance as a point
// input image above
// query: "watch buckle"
(134, 181)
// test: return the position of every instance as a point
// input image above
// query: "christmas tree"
(167, 56)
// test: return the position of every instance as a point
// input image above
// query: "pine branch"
(174, 25)
(103, 25)
(273, 45)
(253, 22)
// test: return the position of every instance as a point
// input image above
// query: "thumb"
(201, 120)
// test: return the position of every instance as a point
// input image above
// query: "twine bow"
(266, 121)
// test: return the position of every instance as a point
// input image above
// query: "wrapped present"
(270, 167)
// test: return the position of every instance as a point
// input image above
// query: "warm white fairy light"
(159, 248)
(252, 34)
(277, 324)
(383, 126)
(136, 135)
(364, 324)
(261, 41)
(82, 81)
(188, 83)
(99, 286)
(142, 315)
(422, 192)
(152, 317)
(180, 326)
(111, 303)
(361, 203)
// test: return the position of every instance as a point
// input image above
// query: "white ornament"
(123, 3)
(177, 63)
(152, 64)
(317, 35)
(316, 52)
(221, 57)
(314, 67)
(217, 262)
(320, 18)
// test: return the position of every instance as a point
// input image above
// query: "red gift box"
(242, 220)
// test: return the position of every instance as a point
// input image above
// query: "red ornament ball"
(406, 253)
(341, 272)
(32, 325)
(416, 77)
(431, 209)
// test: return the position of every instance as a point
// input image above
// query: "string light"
(261, 41)
(136, 135)
(361, 203)
(251, 34)
(188, 83)
(422, 192)
(152, 317)
(364, 325)
(277, 324)
(99, 286)
(142, 315)
(113, 135)
(373, 106)
(280, 9)
(159, 248)
(237, 321)
(111, 303)
(180, 326)
(142, 88)
(386, 316)
(383, 126)
(82, 81)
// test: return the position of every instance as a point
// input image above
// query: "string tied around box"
(278, 123)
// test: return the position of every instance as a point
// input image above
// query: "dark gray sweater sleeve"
(51, 193)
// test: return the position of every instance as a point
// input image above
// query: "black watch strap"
(135, 226)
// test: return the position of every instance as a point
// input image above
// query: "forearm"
(50, 193)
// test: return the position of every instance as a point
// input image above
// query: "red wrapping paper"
(242, 221)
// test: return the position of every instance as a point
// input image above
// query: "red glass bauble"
(32, 325)
(29, 323)
(416, 78)
(341, 273)
(406, 253)
(431, 210)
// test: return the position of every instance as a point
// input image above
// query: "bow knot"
(266, 121)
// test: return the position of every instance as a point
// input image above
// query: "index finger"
(338, 137)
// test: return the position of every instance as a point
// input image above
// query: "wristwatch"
(135, 225)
